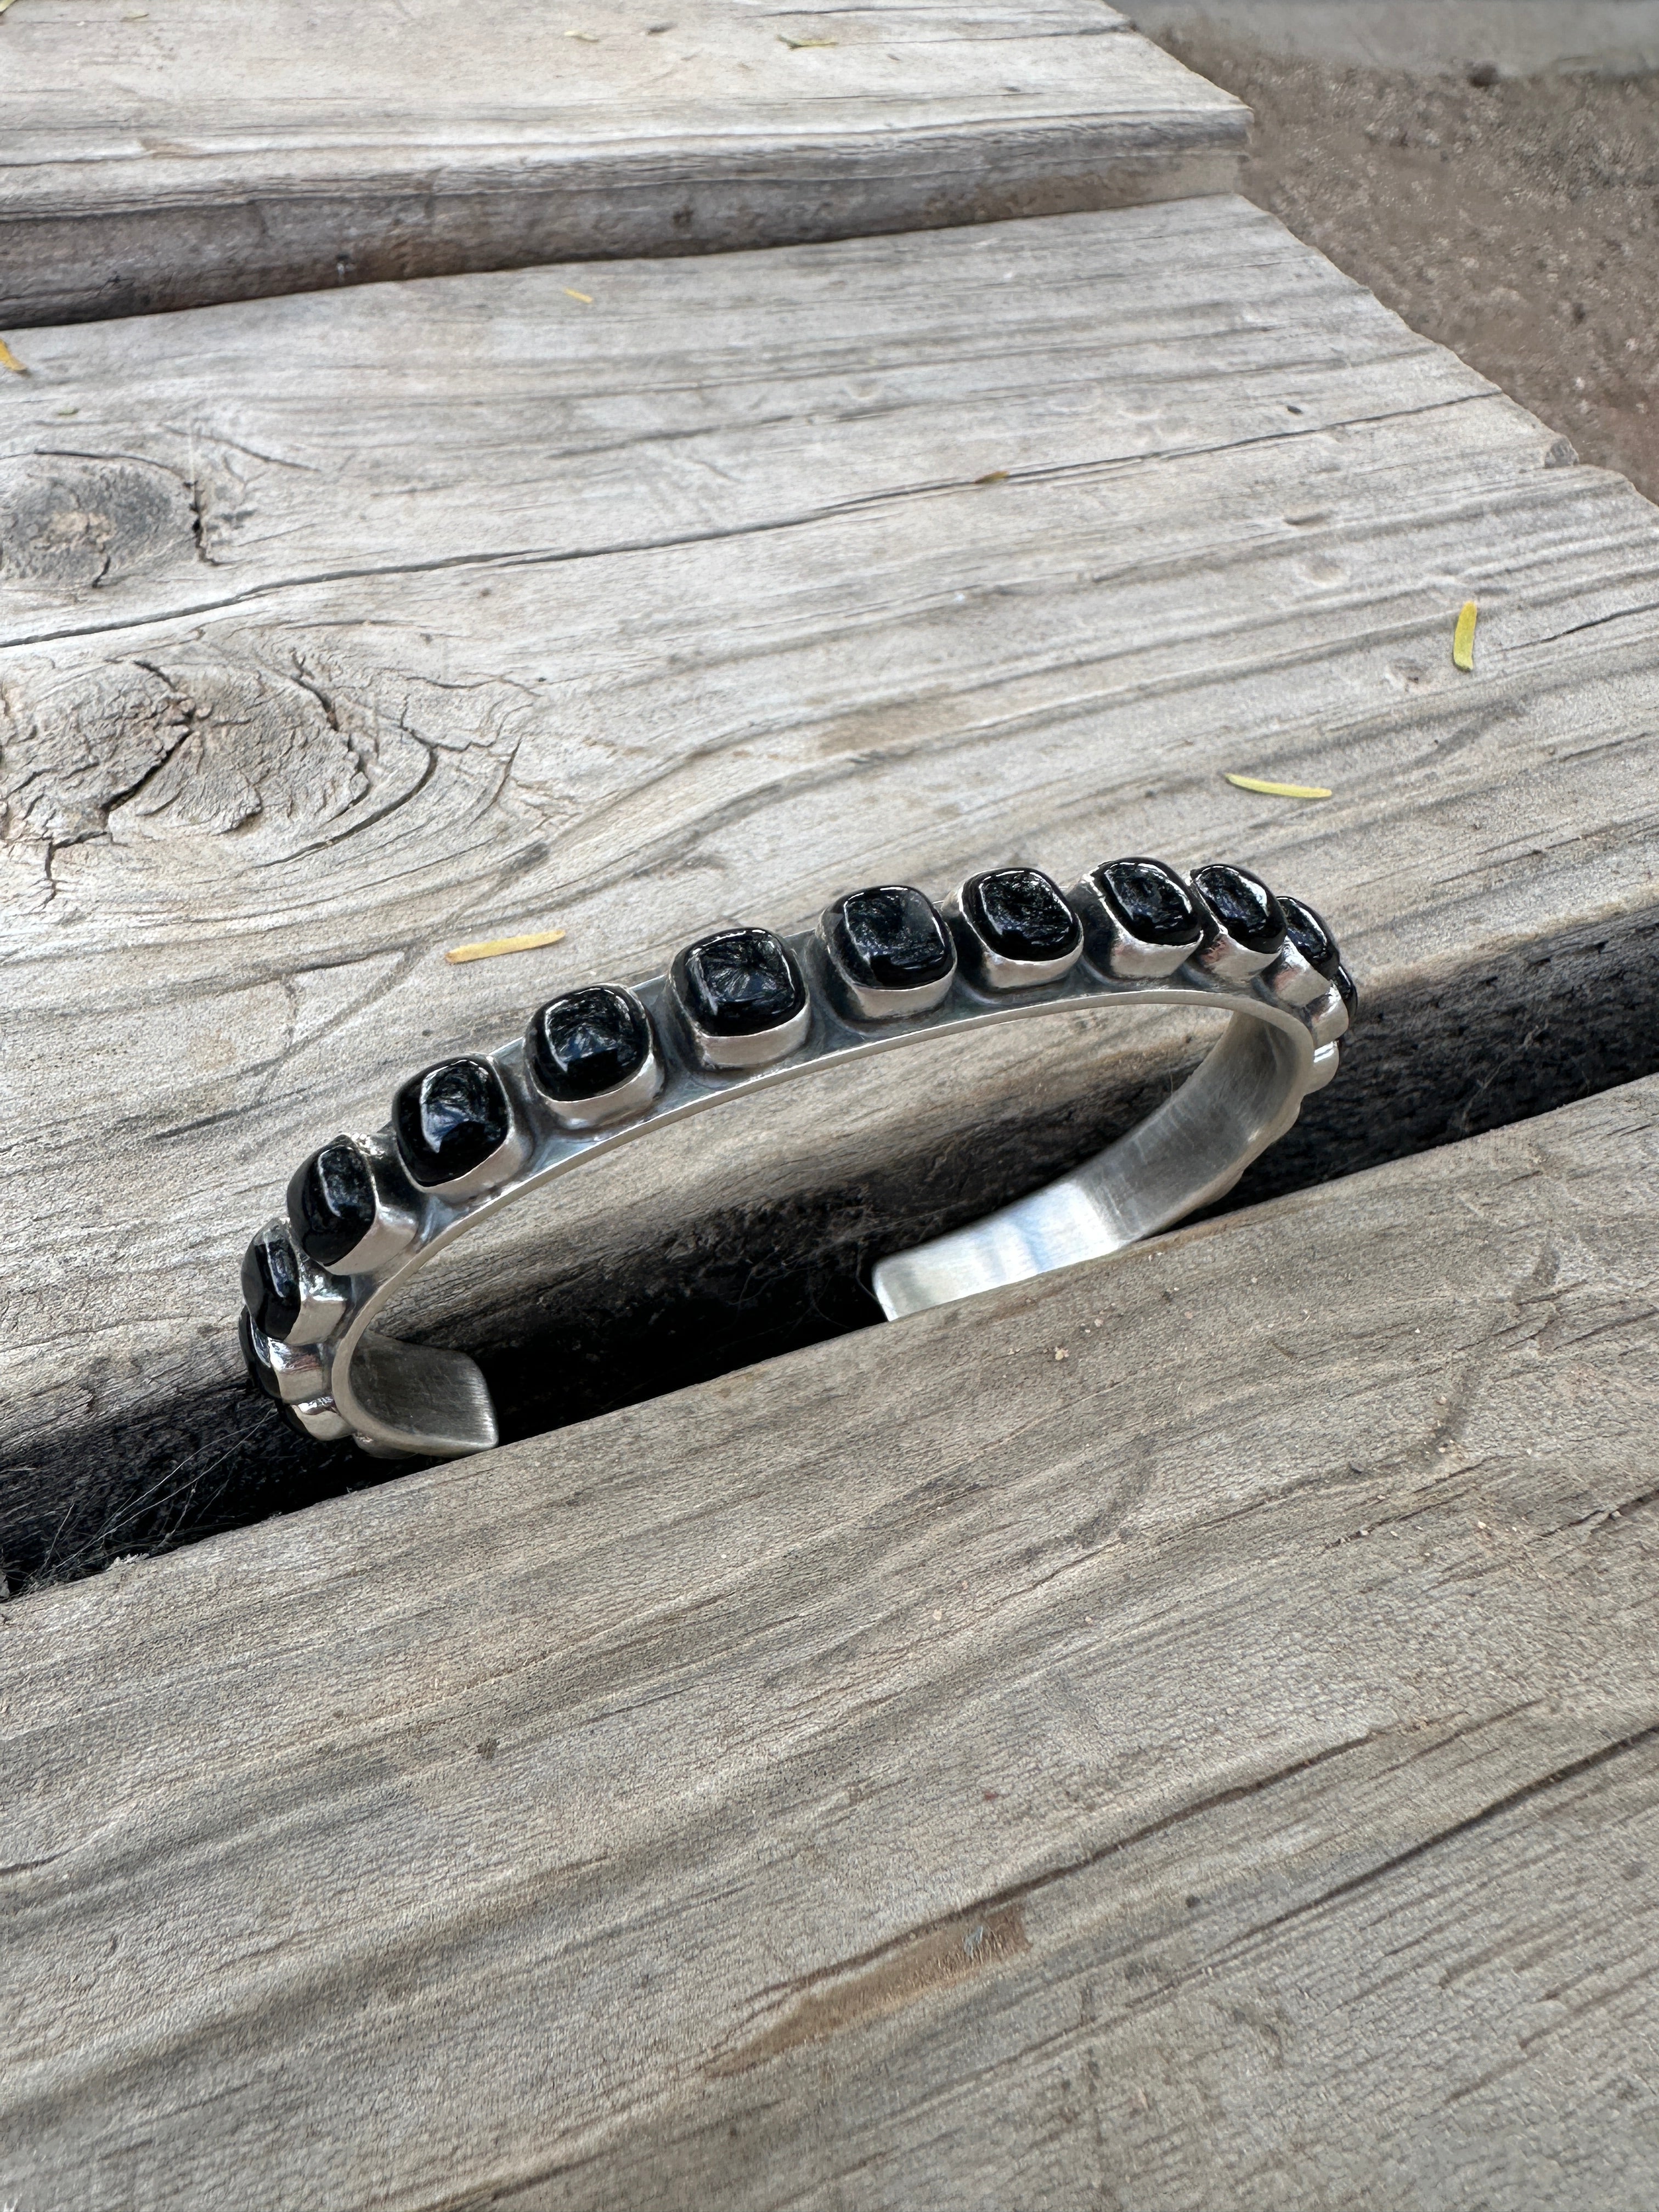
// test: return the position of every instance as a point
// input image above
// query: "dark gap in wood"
(1435, 1060)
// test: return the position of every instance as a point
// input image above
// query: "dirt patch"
(1516, 222)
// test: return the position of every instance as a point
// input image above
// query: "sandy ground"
(1516, 222)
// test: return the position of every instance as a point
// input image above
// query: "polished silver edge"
(742, 1055)
(1115, 951)
(1294, 979)
(1326, 1059)
(1327, 1018)
(301, 1371)
(320, 1420)
(994, 970)
(1230, 961)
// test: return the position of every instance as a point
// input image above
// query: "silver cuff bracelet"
(600, 1064)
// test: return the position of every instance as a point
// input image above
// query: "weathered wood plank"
(1219, 1765)
(345, 629)
(199, 150)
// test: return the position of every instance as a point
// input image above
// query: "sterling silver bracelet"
(741, 1007)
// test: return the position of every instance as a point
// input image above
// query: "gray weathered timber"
(198, 150)
(343, 629)
(1182, 1734)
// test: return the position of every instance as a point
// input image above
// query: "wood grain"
(343, 630)
(198, 150)
(1182, 1733)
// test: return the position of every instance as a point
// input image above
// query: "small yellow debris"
(571, 292)
(7, 358)
(587, 38)
(1463, 640)
(491, 948)
(993, 475)
(4, 4)
(1278, 790)
(1060, 1351)
(796, 45)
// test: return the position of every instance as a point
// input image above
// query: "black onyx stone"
(1312, 939)
(1242, 906)
(330, 1201)
(1349, 991)
(449, 1119)
(260, 1370)
(891, 938)
(586, 1042)
(1150, 901)
(270, 1284)
(1022, 914)
(737, 982)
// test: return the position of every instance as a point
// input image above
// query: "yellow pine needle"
(491, 948)
(571, 292)
(1278, 790)
(1463, 640)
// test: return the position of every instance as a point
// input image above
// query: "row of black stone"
(744, 983)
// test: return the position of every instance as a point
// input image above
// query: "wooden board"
(1185, 1733)
(196, 150)
(340, 630)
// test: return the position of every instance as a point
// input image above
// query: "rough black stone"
(271, 1283)
(1241, 904)
(1022, 914)
(891, 938)
(1150, 901)
(588, 1041)
(1307, 931)
(330, 1201)
(450, 1118)
(737, 982)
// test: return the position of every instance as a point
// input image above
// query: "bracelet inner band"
(402, 1400)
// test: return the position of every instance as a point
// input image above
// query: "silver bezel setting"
(343, 1376)
(730, 1056)
(1224, 955)
(499, 1166)
(875, 1002)
(1115, 949)
(994, 971)
(1327, 1018)
(1293, 979)
(735, 1055)
(396, 1224)
(606, 1108)
(632, 1096)
(322, 1296)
